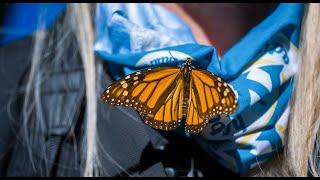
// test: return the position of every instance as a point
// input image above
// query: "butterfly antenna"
(171, 55)
(188, 60)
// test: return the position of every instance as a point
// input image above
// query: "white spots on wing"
(225, 92)
(125, 85)
(138, 72)
(122, 82)
(136, 82)
(125, 93)
(127, 77)
(135, 78)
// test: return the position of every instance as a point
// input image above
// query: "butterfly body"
(165, 96)
(186, 71)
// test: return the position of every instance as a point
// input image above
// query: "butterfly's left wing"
(209, 96)
(157, 94)
(213, 95)
(194, 122)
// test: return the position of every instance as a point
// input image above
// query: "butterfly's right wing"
(155, 93)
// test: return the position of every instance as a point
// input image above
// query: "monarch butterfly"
(164, 96)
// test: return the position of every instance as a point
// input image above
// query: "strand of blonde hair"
(85, 36)
(304, 119)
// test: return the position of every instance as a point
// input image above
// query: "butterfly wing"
(213, 94)
(157, 95)
(209, 96)
(194, 122)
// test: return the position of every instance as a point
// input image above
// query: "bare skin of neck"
(220, 24)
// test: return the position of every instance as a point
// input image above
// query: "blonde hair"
(77, 22)
(84, 30)
(304, 120)
(300, 154)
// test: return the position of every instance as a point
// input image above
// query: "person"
(55, 66)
